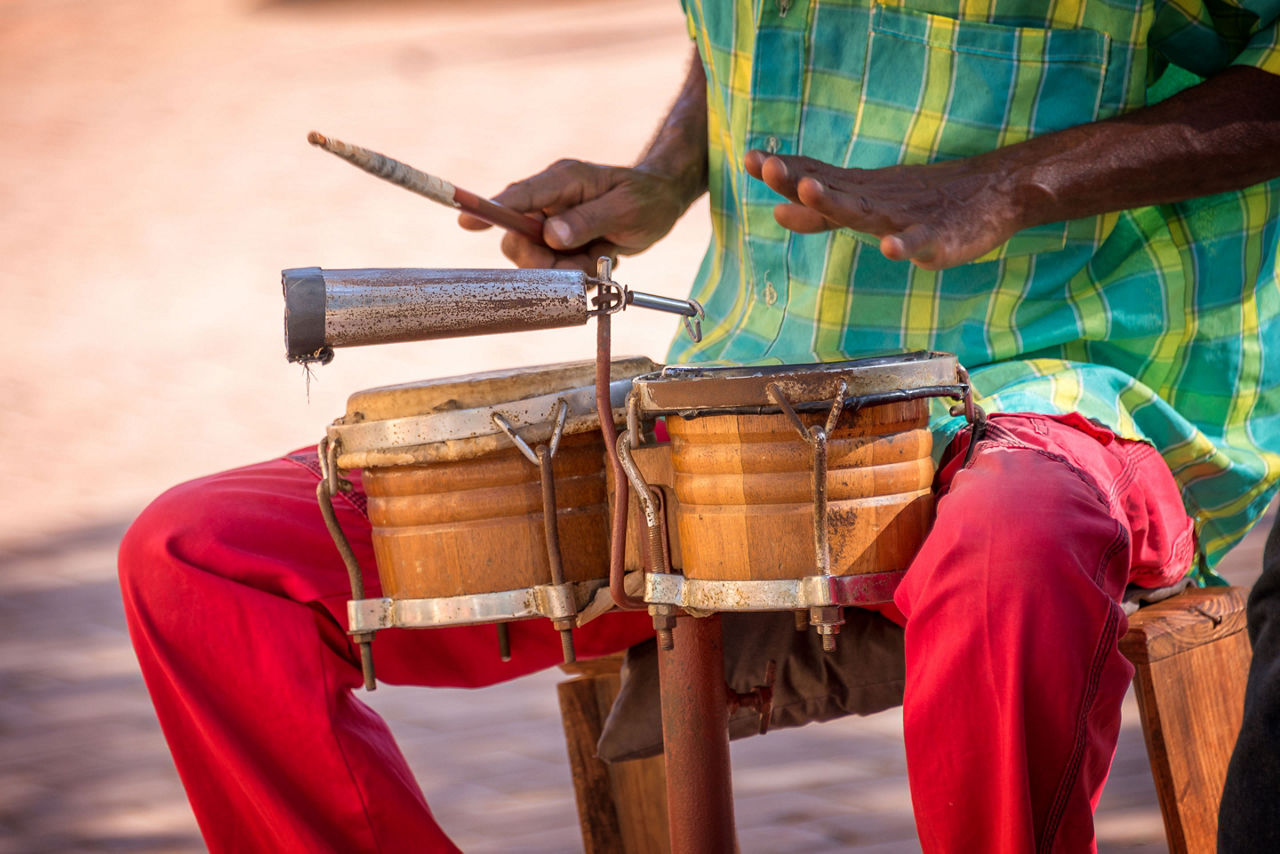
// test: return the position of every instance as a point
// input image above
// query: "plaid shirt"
(1154, 321)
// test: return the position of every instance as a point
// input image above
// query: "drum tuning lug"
(760, 699)
(365, 642)
(828, 620)
(566, 639)
(504, 642)
(664, 621)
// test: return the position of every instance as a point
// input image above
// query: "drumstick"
(436, 189)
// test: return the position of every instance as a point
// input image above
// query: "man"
(1014, 201)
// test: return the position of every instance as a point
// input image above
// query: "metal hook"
(504, 425)
(693, 325)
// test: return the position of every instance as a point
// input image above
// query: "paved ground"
(83, 766)
(155, 182)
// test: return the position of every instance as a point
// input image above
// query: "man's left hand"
(936, 216)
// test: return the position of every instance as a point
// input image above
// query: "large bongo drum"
(486, 494)
(795, 486)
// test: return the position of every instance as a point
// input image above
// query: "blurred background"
(155, 180)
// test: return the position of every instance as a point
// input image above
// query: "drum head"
(451, 418)
(691, 390)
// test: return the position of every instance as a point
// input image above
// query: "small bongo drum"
(486, 494)
(804, 487)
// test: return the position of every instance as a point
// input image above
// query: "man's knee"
(1021, 506)
(148, 558)
(1017, 531)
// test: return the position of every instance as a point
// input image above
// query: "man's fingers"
(471, 223)
(857, 212)
(562, 184)
(523, 252)
(779, 177)
(916, 243)
(588, 221)
(754, 160)
(801, 219)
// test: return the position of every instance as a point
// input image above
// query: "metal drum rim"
(691, 390)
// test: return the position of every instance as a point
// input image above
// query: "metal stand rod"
(695, 735)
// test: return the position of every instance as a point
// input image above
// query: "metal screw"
(828, 621)
(566, 639)
(664, 620)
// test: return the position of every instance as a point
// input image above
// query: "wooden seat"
(1191, 655)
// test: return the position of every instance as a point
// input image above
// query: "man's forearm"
(679, 149)
(1221, 135)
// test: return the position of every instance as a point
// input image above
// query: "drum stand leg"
(695, 735)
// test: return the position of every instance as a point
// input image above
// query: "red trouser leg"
(236, 601)
(1014, 679)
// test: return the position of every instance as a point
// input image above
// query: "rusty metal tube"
(348, 308)
(695, 738)
(618, 532)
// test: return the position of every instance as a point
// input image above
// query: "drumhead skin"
(451, 418)
(695, 390)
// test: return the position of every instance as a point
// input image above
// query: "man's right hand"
(590, 210)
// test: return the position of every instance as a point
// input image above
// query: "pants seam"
(1104, 648)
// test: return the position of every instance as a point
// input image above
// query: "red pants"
(236, 599)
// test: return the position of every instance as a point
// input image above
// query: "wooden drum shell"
(476, 526)
(745, 489)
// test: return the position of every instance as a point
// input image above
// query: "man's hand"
(591, 210)
(1223, 134)
(935, 216)
(594, 210)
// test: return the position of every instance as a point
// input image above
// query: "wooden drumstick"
(436, 189)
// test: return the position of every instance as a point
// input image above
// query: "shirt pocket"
(936, 88)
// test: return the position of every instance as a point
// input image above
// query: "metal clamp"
(828, 620)
(562, 413)
(973, 414)
(542, 457)
(612, 297)
(330, 484)
(759, 699)
(659, 556)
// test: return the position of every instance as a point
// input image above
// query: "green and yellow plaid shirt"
(1162, 322)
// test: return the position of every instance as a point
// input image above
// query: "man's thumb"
(580, 225)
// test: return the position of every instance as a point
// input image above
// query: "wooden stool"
(1191, 655)
(622, 807)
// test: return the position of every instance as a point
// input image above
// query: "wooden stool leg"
(622, 807)
(1191, 655)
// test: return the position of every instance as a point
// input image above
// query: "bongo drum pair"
(800, 488)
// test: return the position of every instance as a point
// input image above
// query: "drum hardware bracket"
(331, 483)
(760, 699)
(973, 414)
(542, 457)
(826, 620)
(798, 594)
(664, 615)
(618, 527)
(612, 297)
(552, 601)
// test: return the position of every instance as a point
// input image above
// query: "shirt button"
(784, 6)
(770, 295)
(771, 145)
